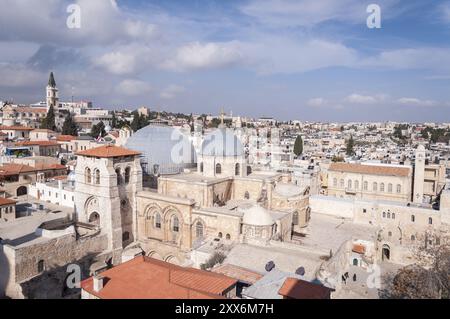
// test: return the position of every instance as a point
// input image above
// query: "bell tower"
(52, 93)
(419, 174)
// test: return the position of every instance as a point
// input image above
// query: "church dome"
(221, 142)
(257, 216)
(165, 150)
(288, 189)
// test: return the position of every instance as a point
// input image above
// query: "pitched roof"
(148, 278)
(14, 169)
(66, 138)
(239, 273)
(301, 289)
(40, 143)
(370, 169)
(6, 201)
(108, 151)
(15, 128)
(358, 248)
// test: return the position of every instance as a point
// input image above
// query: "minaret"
(419, 174)
(52, 93)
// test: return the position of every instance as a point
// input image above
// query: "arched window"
(218, 168)
(237, 169)
(390, 234)
(157, 220)
(201, 167)
(375, 186)
(356, 185)
(413, 238)
(199, 230)
(393, 215)
(399, 188)
(430, 220)
(295, 218)
(390, 188)
(125, 236)
(366, 185)
(382, 187)
(228, 237)
(220, 235)
(413, 218)
(175, 224)
(335, 182)
(349, 184)
(119, 176)
(87, 176)
(97, 177)
(247, 195)
(40, 266)
(384, 214)
(355, 262)
(388, 215)
(341, 182)
(127, 175)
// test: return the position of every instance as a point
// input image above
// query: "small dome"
(221, 142)
(288, 190)
(257, 216)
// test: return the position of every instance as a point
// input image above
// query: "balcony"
(350, 191)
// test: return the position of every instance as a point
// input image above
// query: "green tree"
(98, 130)
(139, 121)
(49, 121)
(298, 146)
(349, 149)
(70, 127)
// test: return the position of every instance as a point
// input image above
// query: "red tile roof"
(26, 109)
(66, 138)
(370, 169)
(358, 248)
(239, 273)
(6, 201)
(148, 278)
(15, 169)
(15, 128)
(39, 143)
(300, 289)
(108, 151)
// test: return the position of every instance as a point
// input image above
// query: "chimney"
(98, 282)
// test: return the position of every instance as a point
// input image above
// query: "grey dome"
(221, 142)
(165, 150)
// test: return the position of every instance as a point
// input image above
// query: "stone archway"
(94, 218)
(22, 190)
(172, 260)
(153, 254)
(385, 253)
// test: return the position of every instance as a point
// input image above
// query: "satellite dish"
(300, 271)
(269, 266)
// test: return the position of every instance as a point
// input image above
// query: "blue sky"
(291, 59)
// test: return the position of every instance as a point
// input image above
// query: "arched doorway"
(94, 218)
(385, 253)
(22, 190)
(355, 262)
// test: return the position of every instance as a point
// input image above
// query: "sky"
(290, 59)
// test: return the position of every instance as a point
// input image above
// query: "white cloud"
(415, 102)
(360, 99)
(198, 55)
(318, 101)
(133, 87)
(172, 91)
(288, 13)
